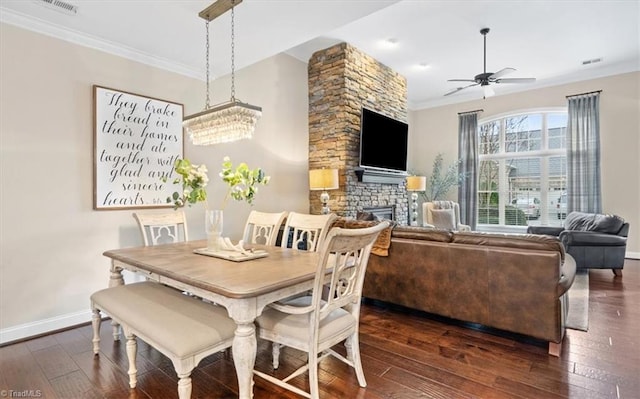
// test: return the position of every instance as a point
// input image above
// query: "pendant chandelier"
(229, 121)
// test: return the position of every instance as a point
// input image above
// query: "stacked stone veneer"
(342, 80)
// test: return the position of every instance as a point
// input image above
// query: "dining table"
(243, 287)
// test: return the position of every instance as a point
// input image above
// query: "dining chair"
(304, 231)
(314, 325)
(162, 228)
(263, 227)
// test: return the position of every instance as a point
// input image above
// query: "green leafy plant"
(194, 180)
(441, 182)
(242, 181)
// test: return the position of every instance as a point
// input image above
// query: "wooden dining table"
(244, 288)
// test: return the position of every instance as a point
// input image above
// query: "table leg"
(115, 279)
(244, 357)
(115, 275)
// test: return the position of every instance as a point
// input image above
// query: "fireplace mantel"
(379, 176)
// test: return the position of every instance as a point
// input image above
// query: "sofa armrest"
(624, 231)
(591, 238)
(546, 230)
(567, 274)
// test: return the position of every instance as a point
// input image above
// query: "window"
(522, 169)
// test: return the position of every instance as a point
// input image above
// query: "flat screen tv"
(383, 142)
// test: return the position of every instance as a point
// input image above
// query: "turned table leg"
(115, 279)
(244, 355)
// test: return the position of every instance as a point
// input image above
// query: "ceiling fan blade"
(460, 88)
(502, 72)
(460, 80)
(516, 80)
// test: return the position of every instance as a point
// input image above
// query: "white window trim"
(502, 156)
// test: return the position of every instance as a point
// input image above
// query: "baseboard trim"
(632, 255)
(40, 327)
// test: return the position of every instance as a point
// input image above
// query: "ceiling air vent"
(591, 61)
(59, 5)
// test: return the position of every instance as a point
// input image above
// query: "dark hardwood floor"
(405, 355)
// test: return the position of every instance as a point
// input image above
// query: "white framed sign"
(137, 140)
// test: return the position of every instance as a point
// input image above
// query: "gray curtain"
(468, 155)
(583, 154)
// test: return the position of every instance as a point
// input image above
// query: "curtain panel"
(583, 154)
(468, 155)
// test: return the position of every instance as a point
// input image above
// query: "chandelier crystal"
(223, 123)
(226, 122)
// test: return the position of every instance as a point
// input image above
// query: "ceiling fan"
(486, 78)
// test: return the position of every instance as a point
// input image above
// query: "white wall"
(51, 240)
(435, 130)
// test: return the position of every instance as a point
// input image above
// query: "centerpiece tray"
(234, 256)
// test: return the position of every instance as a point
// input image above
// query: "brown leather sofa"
(511, 282)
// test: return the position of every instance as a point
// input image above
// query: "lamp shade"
(323, 179)
(416, 183)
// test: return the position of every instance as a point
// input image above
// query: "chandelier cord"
(206, 104)
(233, 56)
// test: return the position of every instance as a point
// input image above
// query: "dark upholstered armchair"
(594, 240)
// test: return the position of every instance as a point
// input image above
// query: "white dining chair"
(314, 325)
(162, 227)
(305, 231)
(263, 227)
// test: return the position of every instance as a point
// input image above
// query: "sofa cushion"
(609, 224)
(421, 233)
(361, 215)
(443, 218)
(520, 241)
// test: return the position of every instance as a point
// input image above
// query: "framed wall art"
(137, 140)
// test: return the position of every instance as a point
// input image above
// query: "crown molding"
(24, 21)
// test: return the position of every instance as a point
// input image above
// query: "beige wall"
(435, 130)
(51, 240)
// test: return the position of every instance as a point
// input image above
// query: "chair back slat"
(263, 227)
(162, 228)
(346, 252)
(306, 231)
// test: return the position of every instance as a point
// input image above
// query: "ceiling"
(427, 41)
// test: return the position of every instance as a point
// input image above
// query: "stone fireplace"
(342, 80)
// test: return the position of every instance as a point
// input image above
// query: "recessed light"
(389, 43)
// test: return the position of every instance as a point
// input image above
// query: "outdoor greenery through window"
(522, 169)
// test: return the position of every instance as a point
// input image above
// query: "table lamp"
(323, 179)
(415, 184)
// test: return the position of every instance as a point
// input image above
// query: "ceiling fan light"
(488, 91)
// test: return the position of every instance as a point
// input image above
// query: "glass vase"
(213, 225)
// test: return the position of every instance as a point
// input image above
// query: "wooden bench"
(183, 328)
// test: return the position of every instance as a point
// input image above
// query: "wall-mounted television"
(383, 142)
